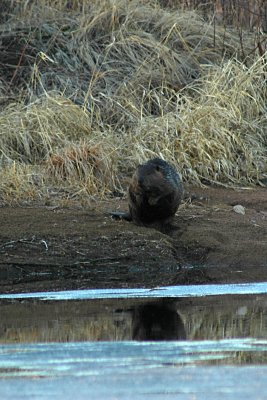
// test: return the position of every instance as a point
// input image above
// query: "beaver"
(157, 321)
(155, 193)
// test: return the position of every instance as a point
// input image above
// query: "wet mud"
(56, 248)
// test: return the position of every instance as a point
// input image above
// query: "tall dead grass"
(90, 90)
(52, 140)
(218, 133)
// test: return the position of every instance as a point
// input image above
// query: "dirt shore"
(52, 248)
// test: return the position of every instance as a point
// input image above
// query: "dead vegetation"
(90, 89)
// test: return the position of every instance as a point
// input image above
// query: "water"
(168, 291)
(195, 318)
(123, 371)
(186, 345)
(128, 370)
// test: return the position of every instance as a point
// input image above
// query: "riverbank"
(53, 248)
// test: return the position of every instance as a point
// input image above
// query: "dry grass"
(89, 89)
(20, 184)
(218, 132)
(84, 164)
(54, 140)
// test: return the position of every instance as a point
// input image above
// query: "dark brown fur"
(155, 193)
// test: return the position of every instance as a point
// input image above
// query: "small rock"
(239, 209)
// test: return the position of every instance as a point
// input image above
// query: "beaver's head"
(154, 180)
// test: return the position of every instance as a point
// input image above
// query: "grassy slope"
(87, 93)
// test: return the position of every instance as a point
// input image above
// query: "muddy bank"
(50, 248)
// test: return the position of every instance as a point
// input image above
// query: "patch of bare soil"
(46, 248)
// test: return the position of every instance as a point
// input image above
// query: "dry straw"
(89, 89)
(218, 132)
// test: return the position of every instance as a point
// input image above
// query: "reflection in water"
(221, 317)
(157, 322)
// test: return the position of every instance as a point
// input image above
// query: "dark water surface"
(185, 347)
(196, 318)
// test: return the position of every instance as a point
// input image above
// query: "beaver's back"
(155, 192)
